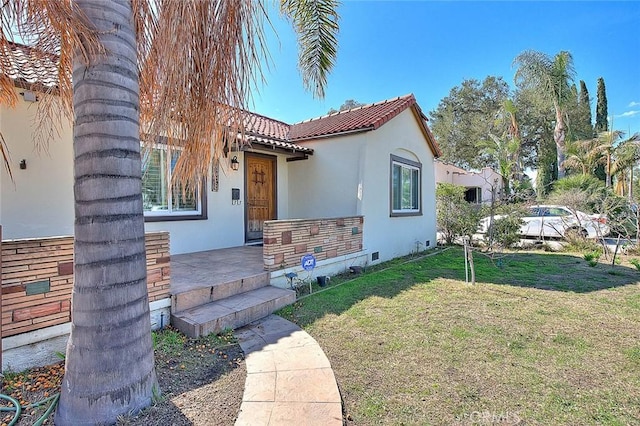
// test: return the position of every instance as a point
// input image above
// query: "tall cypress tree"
(602, 125)
(584, 106)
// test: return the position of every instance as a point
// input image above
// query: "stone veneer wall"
(37, 279)
(286, 241)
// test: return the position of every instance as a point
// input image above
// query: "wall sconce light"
(235, 164)
(23, 164)
(29, 96)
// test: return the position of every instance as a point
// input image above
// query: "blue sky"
(391, 48)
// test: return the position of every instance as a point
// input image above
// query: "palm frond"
(627, 154)
(198, 62)
(550, 76)
(316, 24)
(4, 155)
(562, 74)
(573, 162)
(532, 69)
(53, 29)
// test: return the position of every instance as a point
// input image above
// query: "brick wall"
(158, 265)
(286, 241)
(37, 279)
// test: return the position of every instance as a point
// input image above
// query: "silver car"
(548, 221)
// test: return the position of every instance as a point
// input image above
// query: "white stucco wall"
(396, 236)
(326, 185)
(283, 188)
(350, 175)
(39, 202)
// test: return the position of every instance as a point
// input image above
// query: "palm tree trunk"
(630, 194)
(109, 361)
(608, 171)
(506, 190)
(559, 134)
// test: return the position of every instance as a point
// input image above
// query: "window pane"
(156, 175)
(396, 187)
(154, 192)
(182, 199)
(405, 187)
(415, 189)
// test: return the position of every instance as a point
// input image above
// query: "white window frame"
(478, 190)
(169, 213)
(406, 164)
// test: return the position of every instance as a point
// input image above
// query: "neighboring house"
(481, 186)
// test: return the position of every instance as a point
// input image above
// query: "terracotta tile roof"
(288, 146)
(29, 66)
(368, 117)
(257, 124)
(361, 119)
(267, 131)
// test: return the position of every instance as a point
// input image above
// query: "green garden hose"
(18, 408)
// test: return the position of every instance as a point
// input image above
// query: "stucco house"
(376, 161)
(481, 186)
(360, 183)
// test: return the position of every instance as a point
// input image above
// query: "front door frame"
(274, 162)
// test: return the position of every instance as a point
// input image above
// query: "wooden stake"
(473, 270)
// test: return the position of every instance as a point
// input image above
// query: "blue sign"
(308, 262)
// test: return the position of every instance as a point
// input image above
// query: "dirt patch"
(198, 388)
(201, 382)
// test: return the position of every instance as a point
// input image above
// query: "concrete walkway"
(289, 378)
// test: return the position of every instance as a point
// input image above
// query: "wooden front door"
(260, 181)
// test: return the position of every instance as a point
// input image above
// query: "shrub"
(505, 230)
(593, 255)
(455, 216)
(578, 243)
(587, 183)
(635, 262)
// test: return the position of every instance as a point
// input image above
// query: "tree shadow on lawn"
(551, 271)
(545, 271)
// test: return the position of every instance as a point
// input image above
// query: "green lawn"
(542, 338)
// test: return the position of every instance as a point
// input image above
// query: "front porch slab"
(219, 289)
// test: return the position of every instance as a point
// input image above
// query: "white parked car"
(547, 221)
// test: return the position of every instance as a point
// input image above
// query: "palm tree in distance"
(583, 155)
(551, 78)
(182, 70)
(609, 148)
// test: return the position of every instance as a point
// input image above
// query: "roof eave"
(332, 135)
(431, 140)
(270, 147)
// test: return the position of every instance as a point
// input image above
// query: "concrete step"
(232, 312)
(198, 296)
